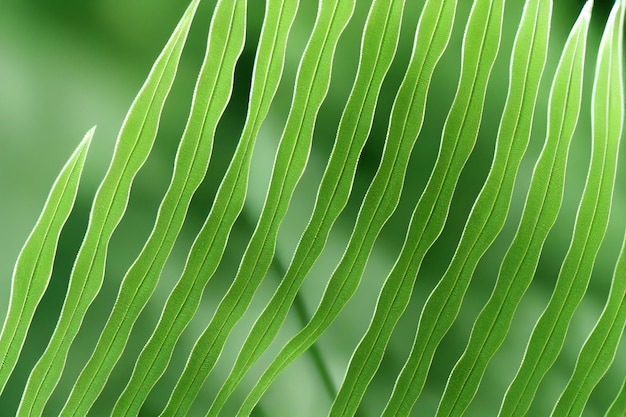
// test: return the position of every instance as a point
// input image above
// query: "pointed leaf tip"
(586, 12)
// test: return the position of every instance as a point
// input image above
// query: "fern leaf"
(480, 47)
(133, 146)
(211, 95)
(382, 197)
(380, 39)
(541, 209)
(488, 214)
(34, 264)
(209, 246)
(311, 87)
(255, 384)
(592, 220)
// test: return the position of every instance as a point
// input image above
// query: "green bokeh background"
(67, 65)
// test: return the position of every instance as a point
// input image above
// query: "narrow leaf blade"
(210, 243)
(132, 148)
(540, 211)
(312, 85)
(212, 92)
(490, 209)
(618, 406)
(34, 265)
(380, 38)
(592, 220)
(480, 47)
(383, 195)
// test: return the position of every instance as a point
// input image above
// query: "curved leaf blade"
(618, 407)
(212, 92)
(132, 148)
(540, 211)
(489, 211)
(380, 37)
(34, 264)
(599, 350)
(383, 195)
(480, 47)
(312, 84)
(592, 220)
(210, 243)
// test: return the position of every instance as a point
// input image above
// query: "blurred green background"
(68, 65)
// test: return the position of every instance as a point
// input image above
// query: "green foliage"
(540, 212)
(34, 265)
(237, 341)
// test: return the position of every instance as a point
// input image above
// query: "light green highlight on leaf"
(540, 212)
(599, 349)
(132, 148)
(212, 92)
(618, 407)
(480, 47)
(34, 264)
(382, 197)
(380, 40)
(311, 87)
(592, 220)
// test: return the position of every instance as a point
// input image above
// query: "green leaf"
(592, 220)
(542, 206)
(363, 97)
(485, 221)
(380, 39)
(34, 264)
(480, 47)
(382, 197)
(618, 407)
(311, 87)
(212, 91)
(133, 146)
(208, 248)
(600, 347)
